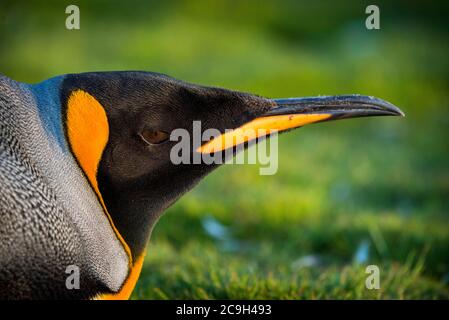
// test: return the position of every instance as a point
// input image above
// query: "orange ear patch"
(88, 134)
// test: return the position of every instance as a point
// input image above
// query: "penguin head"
(119, 126)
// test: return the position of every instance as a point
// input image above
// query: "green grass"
(382, 181)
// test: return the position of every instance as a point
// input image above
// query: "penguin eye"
(154, 136)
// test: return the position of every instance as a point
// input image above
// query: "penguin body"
(50, 217)
(85, 169)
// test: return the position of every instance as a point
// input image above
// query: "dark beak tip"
(388, 107)
(401, 113)
(354, 105)
(395, 111)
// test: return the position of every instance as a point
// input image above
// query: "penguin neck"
(48, 101)
(136, 206)
(87, 131)
(135, 216)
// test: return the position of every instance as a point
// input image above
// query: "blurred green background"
(346, 195)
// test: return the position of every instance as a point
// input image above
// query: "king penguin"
(85, 169)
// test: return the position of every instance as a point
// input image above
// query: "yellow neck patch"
(130, 283)
(88, 134)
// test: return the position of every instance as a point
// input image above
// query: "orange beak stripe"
(259, 127)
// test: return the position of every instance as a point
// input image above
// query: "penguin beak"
(293, 113)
